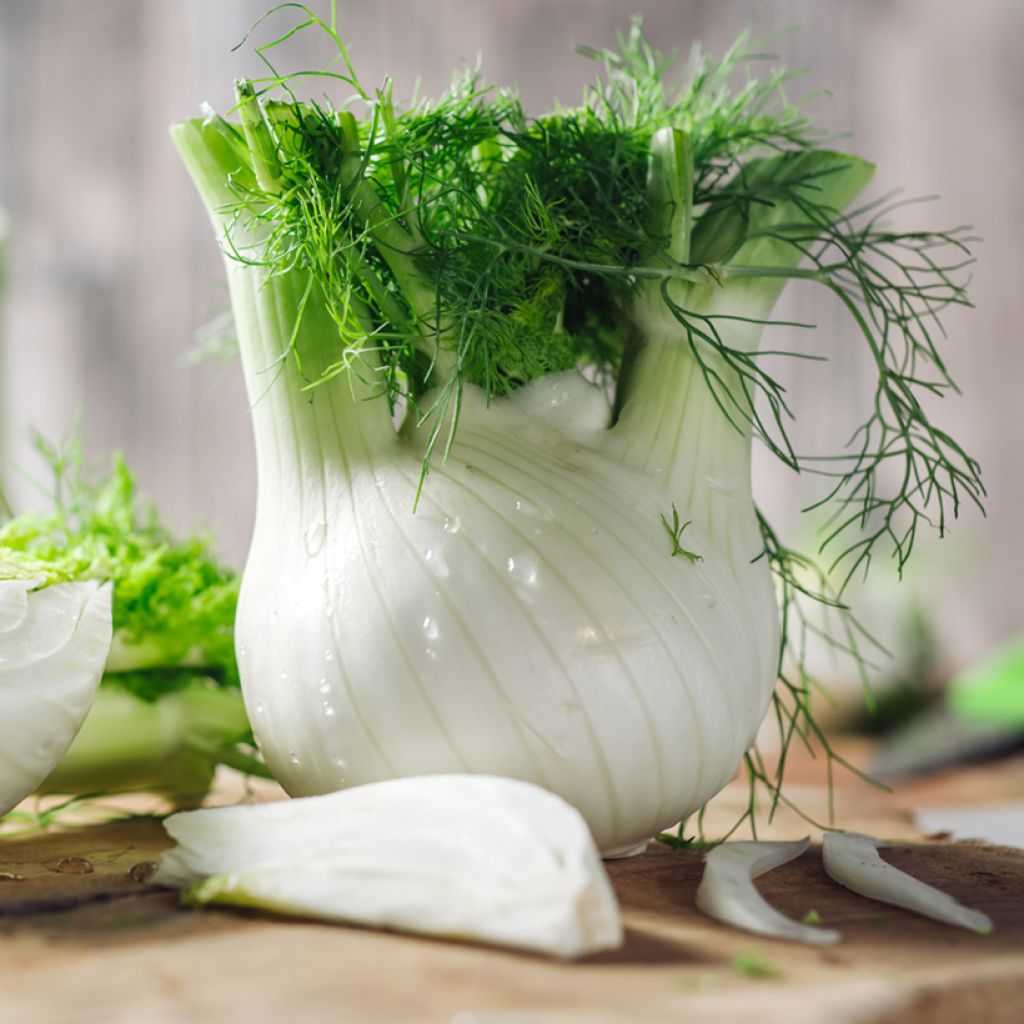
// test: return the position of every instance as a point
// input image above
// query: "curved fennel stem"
(688, 410)
(302, 431)
(671, 425)
(397, 248)
(287, 339)
(670, 415)
(397, 245)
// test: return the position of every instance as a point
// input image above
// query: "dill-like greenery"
(675, 529)
(172, 593)
(752, 965)
(460, 241)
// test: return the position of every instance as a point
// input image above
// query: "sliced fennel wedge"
(53, 646)
(478, 858)
(727, 892)
(852, 860)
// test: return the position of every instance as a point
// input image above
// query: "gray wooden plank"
(112, 266)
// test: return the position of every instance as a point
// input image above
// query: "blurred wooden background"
(112, 267)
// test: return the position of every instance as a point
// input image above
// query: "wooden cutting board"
(104, 947)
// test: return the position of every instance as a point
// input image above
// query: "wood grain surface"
(103, 948)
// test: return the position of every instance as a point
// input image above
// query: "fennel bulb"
(463, 857)
(53, 644)
(518, 623)
(525, 579)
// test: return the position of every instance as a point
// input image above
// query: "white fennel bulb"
(527, 579)
(519, 623)
(53, 646)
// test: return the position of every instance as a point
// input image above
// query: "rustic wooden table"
(106, 948)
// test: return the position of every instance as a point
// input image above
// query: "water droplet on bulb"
(316, 534)
(452, 524)
(724, 487)
(328, 709)
(275, 617)
(562, 746)
(522, 568)
(338, 761)
(325, 686)
(293, 757)
(329, 656)
(434, 557)
(527, 508)
(709, 599)
(430, 628)
(258, 709)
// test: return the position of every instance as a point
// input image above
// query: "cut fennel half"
(53, 646)
(469, 857)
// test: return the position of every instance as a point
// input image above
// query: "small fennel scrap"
(727, 892)
(852, 860)
(464, 857)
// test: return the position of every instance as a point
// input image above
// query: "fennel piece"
(169, 708)
(727, 893)
(853, 861)
(489, 588)
(465, 857)
(53, 645)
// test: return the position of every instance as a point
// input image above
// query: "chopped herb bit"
(753, 965)
(675, 532)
